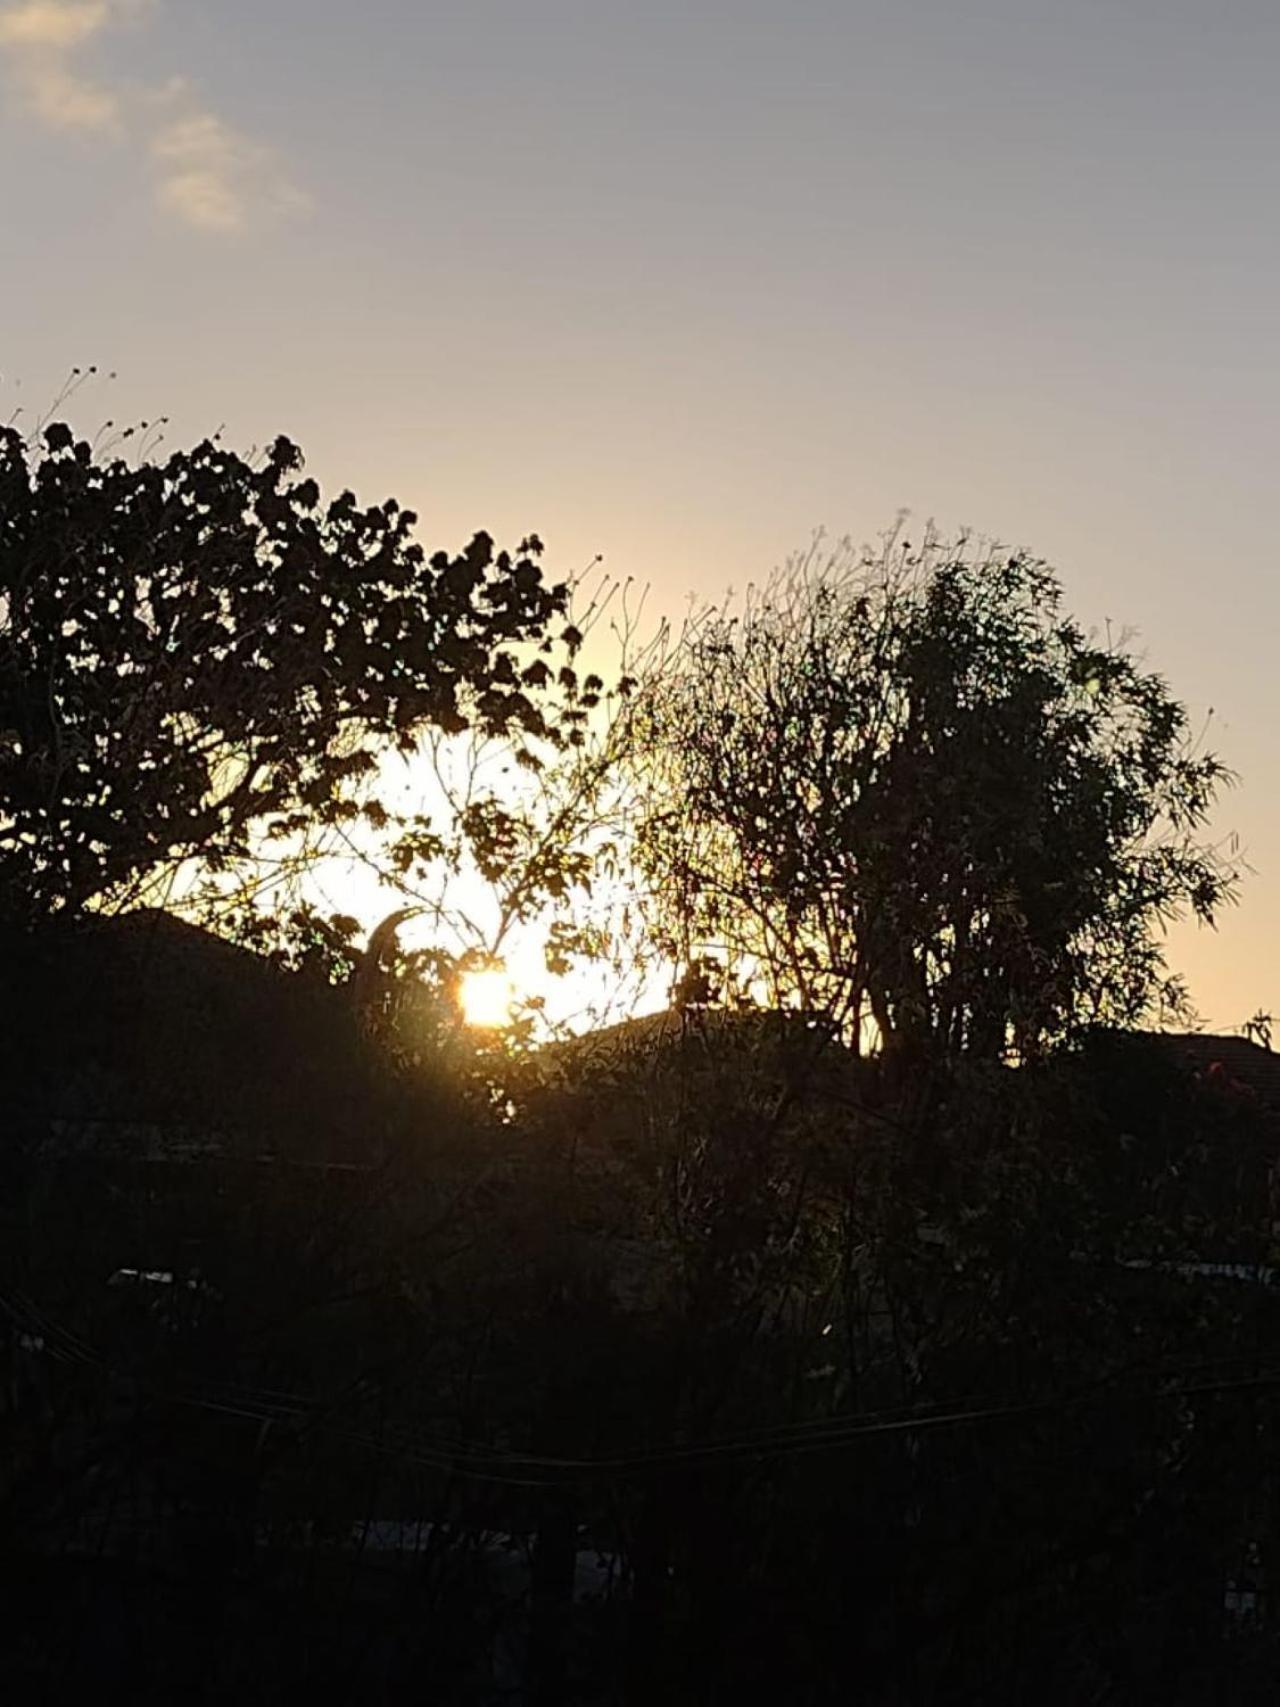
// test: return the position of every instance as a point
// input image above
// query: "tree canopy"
(199, 651)
(909, 790)
(710, 1294)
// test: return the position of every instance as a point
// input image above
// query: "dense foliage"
(911, 792)
(200, 652)
(942, 1372)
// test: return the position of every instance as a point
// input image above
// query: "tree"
(492, 849)
(200, 656)
(908, 790)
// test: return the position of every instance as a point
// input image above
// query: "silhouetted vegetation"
(200, 652)
(909, 789)
(887, 1320)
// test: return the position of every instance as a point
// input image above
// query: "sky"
(680, 283)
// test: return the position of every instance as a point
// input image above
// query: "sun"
(486, 996)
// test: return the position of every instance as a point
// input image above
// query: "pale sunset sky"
(680, 283)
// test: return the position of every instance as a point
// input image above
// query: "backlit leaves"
(167, 625)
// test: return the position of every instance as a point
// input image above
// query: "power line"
(480, 1461)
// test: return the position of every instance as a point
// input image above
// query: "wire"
(479, 1461)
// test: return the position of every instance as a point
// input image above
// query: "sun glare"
(486, 996)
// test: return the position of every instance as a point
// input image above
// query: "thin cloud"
(52, 26)
(213, 177)
(208, 175)
(62, 100)
(40, 39)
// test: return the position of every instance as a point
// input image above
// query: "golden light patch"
(486, 996)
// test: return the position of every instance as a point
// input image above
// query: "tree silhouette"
(200, 653)
(908, 790)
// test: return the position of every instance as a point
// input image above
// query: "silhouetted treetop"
(910, 790)
(194, 647)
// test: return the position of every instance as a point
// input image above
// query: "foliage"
(812, 1347)
(970, 1334)
(897, 1369)
(199, 653)
(908, 790)
(483, 848)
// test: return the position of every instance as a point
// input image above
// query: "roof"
(1236, 1060)
(141, 1030)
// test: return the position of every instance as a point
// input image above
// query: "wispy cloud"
(212, 176)
(52, 26)
(41, 40)
(207, 174)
